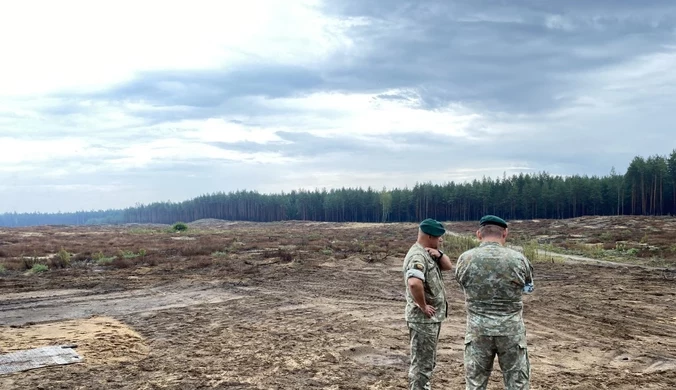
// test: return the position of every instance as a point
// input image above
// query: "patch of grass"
(132, 255)
(454, 246)
(3, 270)
(128, 255)
(327, 251)
(220, 254)
(102, 259)
(530, 250)
(38, 268)
(141, 231)
(105, 260)
(540, 253)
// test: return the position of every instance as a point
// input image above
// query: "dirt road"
(324, 321)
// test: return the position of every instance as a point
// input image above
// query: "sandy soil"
(322, 320)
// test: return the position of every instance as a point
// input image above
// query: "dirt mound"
(99, 340)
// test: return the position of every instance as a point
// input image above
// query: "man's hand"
(433, 252)
(442, 260)
(418, 292)
(428, 310)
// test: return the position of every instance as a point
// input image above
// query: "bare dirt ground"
(315, 306)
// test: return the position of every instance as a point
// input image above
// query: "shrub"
(37, 268)
(285, 255)
(2, 269)
(61, 260)
(28, 262)
(179, 227)
(128, 254)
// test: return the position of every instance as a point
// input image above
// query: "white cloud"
(220, 130)
(558, 22)
(85, 45)
(365, 115)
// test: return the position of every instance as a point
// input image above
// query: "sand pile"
(99, 340)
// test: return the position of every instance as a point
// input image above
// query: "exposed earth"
(306, 305)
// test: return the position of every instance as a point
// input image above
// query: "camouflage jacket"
(493, 278)
(419, 264)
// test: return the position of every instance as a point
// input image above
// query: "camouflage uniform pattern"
(493, 278)
(423, 331)
(418, 263)
(512, 353)
(423, 338)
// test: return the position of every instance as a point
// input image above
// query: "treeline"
(647, 188)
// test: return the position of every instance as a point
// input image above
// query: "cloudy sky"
(106, 104)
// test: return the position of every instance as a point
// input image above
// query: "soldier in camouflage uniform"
(493, 278)
(426, 305)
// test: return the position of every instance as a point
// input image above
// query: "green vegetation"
(179, 227)
(3, 270)
(132, 255)
(37, 268)
(538, 253)
(220, 254)
(327, 251)
(60, 260)
(454, 246)
(647, 188)
(102, 259)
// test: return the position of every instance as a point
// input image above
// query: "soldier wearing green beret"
(494, 278)
(426, 305)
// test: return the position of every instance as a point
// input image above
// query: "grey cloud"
(300, 144)
(454, 51)
(490, 55)
(209, 89)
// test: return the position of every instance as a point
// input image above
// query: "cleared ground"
(318, 306)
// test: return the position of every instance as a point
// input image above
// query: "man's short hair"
(491, 230)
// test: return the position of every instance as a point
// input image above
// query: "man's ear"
(478, 234)
(504, 234)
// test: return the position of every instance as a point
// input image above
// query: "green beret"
(492, 220)
(432, 227)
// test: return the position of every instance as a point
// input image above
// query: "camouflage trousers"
(512, 352)
(423, 339)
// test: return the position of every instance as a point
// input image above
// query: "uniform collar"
(491, 243)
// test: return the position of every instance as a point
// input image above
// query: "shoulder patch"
(418, 266)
